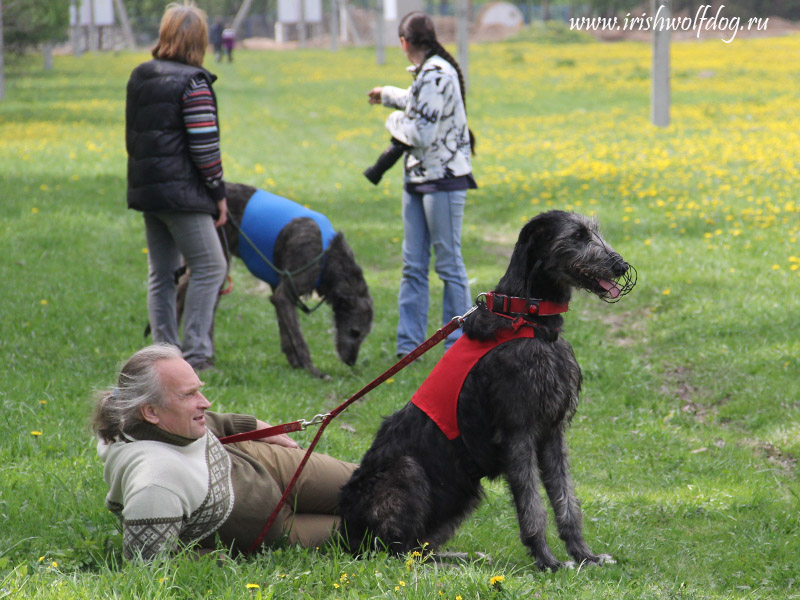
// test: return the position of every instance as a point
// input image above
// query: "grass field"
(684, 447)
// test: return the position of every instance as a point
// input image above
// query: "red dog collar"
(522, 307)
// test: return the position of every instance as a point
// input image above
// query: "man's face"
(184, 412)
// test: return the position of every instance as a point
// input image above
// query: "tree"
(28, 23)
(2, 60)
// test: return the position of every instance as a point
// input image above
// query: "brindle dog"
(338, 279)
(415, 485)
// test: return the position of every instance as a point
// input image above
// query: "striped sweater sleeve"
(202, 129)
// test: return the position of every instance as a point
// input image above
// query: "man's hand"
(281, 440)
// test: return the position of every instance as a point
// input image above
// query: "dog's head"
(349, 297)
(557, 251)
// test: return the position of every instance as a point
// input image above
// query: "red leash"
(325, 419)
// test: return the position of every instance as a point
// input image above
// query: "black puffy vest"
(161, 174)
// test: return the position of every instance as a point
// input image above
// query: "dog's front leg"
(554, 466)
(523, 479)
(292, 342)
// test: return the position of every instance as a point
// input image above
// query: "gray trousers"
(173, 237)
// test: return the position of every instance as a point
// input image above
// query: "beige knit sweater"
(169, 490)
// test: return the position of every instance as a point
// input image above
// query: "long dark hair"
(418, 30)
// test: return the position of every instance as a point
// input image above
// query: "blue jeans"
(173, 237)
(431, 220)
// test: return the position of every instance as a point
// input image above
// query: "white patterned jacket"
(433, 121)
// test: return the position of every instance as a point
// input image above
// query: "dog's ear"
(534, 239)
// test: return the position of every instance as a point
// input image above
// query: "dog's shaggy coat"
(414, 486)
(337, 278)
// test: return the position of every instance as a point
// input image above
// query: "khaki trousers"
(315, 497)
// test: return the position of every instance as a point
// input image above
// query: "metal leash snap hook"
(317, 420)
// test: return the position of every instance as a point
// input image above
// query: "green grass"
(684, 446)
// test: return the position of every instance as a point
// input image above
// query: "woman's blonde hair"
(183, 35)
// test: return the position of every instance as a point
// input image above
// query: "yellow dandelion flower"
(497, 579)
(336, 585)
(252, 586)
(667, 292)
(776, 267)
(42, 401)
(36, 433)
(401, 583)
(145, 250)
(34, 210)
(43, 302)
(43, 187)
(647, 242)
(54, 564)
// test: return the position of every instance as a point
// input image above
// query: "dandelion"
(497, 579)
(34, 210)
(36, 433)
(43, 302)
(667, 292)
(144, 250)
(252, 586)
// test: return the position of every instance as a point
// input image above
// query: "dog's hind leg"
(554, 466)
(386, 507)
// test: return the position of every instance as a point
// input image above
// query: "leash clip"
(317, 420)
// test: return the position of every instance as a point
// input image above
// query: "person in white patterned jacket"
(172, 483)
(432, 122)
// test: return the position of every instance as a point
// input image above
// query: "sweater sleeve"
(418, 125)
(145, 535)
(222, 424)
(202, 129)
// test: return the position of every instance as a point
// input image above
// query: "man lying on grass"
(172, 482)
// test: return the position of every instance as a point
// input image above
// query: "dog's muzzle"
(619, 286)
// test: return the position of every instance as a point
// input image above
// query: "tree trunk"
(47, 51)
(122, 16)
(2, 61)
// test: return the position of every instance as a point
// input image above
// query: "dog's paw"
(598, 559)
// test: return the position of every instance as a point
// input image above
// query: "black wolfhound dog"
(421, 477)
(297, 252)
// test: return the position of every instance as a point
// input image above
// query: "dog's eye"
(581, 235)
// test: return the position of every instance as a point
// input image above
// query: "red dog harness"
(438, 395)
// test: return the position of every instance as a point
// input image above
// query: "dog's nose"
(620, 267)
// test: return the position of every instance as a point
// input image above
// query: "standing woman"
(432, 121)
(175, 179)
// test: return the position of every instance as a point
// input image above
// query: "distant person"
(432, 121)
(215, 35)
(171, 482)
(228, 40)
(175, 179)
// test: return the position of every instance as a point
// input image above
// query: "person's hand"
(375, 95)
(222, 205)
(280, 440)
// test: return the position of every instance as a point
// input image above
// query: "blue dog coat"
(264, 218)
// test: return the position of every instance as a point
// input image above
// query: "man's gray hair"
(138, 384)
